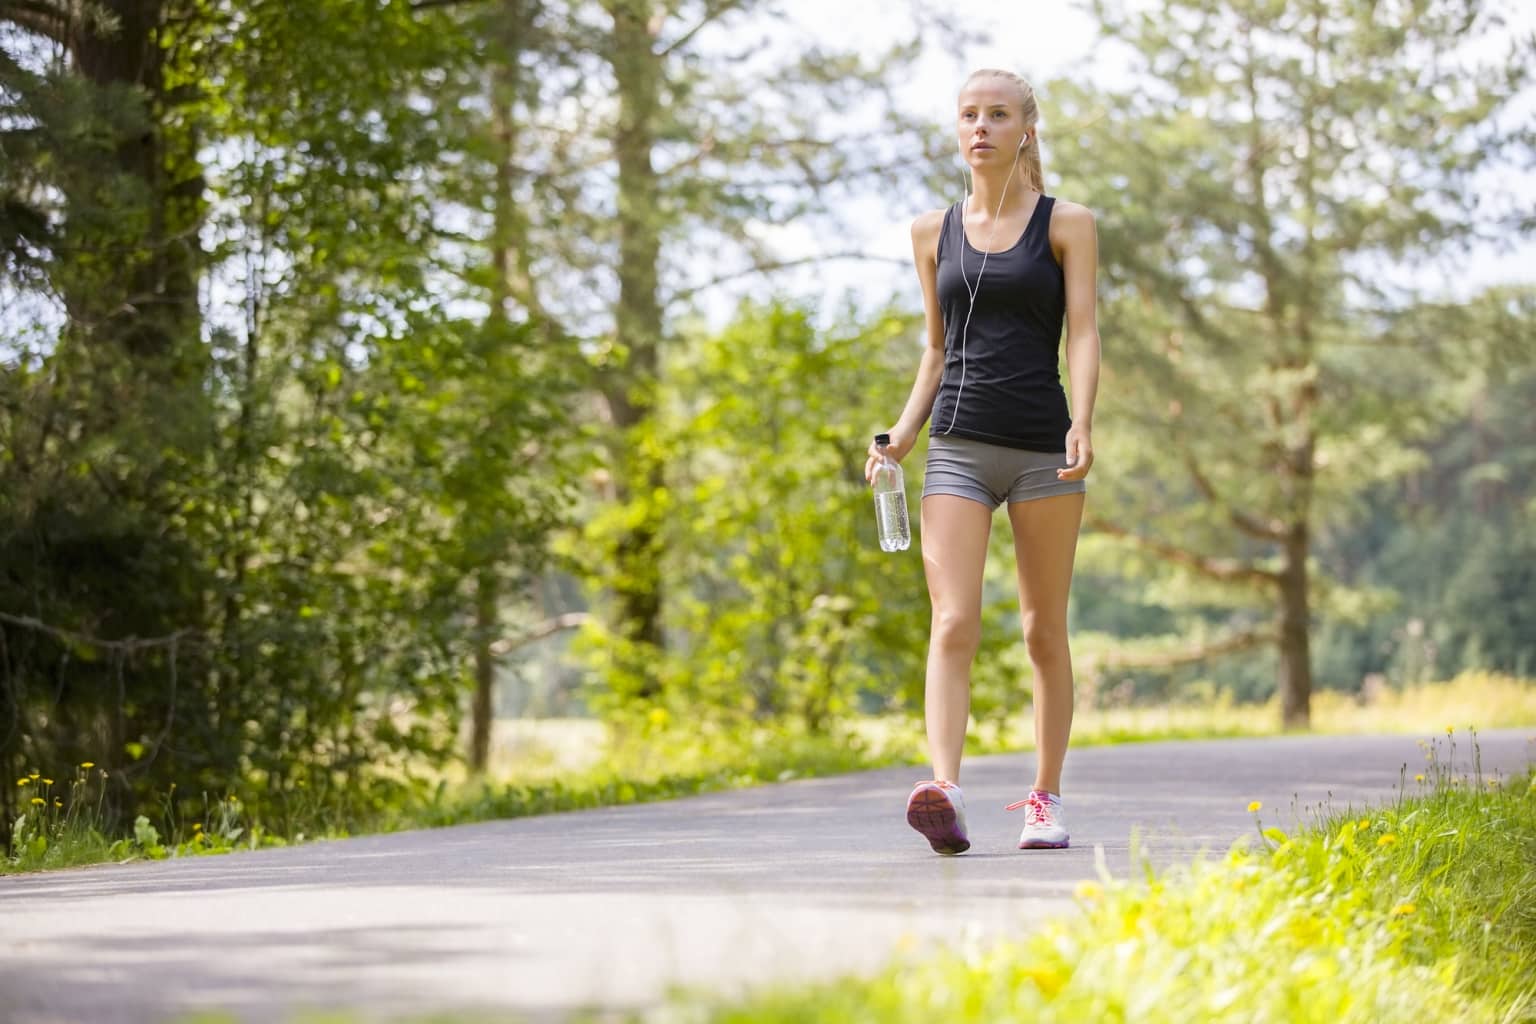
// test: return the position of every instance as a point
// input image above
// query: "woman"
(1001, 432)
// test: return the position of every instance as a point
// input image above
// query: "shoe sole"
(930, 812)
(1038, 844)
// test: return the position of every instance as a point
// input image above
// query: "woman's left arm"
(1074, 231)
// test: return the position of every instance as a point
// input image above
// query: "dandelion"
(1255, 807)
(47, 782)
(1386, 840)
(1450, 730)
(87, 764)
(197, 826)
(1364, 823)
(1088, 890)
(22, 782)
(35, 776)
(1418, 778)
(1403, 909)
(38, 801)
(57, 802)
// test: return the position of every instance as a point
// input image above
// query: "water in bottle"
(890, 501)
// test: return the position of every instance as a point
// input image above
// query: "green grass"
(1421, 910)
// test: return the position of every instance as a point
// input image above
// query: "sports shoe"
(937, 810)
(1044, 826)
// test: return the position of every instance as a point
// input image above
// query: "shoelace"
(1038, 813)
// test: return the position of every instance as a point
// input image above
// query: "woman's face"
(988, 125)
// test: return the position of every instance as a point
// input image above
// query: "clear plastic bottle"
(890, 500)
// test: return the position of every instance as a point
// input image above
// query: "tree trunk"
(631, 393)
(487, 594)
(158, 283)
(1295, 635)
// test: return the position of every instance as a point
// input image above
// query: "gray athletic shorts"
(993, 474)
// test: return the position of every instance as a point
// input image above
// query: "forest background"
(371, 370)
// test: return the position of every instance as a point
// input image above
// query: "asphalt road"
(537, 917)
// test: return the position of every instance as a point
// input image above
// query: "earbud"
(1023, 142)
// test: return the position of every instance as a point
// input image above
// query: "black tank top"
(1003, 386)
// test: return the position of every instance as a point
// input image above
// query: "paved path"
(540, 916)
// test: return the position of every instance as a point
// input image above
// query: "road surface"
(537, 917)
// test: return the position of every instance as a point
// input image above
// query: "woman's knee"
(1045, 636)
(957, 629)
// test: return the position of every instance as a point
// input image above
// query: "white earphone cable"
(971, 291)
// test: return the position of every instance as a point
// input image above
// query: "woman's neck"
(1008, 191)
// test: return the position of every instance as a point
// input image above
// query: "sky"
(1040, 39)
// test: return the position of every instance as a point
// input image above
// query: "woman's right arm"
(925, 250)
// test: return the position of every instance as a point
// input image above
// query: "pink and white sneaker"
(937, 810)
(1045, 828)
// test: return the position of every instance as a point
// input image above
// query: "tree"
(1271, 162)
(102, 414)
(699, 150)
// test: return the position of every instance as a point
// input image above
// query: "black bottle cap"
(882, 439)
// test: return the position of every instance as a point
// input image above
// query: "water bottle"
(890, 500)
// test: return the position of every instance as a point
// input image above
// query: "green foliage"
(782, 606)
(298, 534)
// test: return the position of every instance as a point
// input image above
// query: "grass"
(547, 766)
(1424, 909)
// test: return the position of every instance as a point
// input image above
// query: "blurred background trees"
(356, 371)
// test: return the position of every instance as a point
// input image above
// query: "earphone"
(971, 291)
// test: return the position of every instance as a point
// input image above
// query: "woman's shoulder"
(1070, 214)
(928, 223)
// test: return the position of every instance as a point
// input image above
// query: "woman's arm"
(1074, 232)
(925, 248)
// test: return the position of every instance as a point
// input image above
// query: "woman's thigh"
(1044, 546)
(954, 536)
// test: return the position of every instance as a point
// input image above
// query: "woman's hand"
(1079, 453)
(895, 451)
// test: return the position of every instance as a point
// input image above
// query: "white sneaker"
(937, 810)
(1045, 827)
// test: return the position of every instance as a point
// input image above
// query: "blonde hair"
(1029, 112)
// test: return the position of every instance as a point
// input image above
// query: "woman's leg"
(1044, 544)
(954, 536)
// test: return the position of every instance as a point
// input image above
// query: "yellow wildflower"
(57, 802)
(1254, 807)
(47, 782)
(34, 776)
(196, 825)
(38, 801)
(1365, 823)
(1386, 840)
(87, 764)
(1418, 778)
(22, 782)
(1450, 729)
(1403, 909)
(1088, 890)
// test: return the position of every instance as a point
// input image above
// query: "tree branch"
(1271, 531)
(1124, 658)
(423, 5)
(128, 644)
(769, 267)
(711, 13)
(44, 19)
(549, 627)
(1223, 570)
